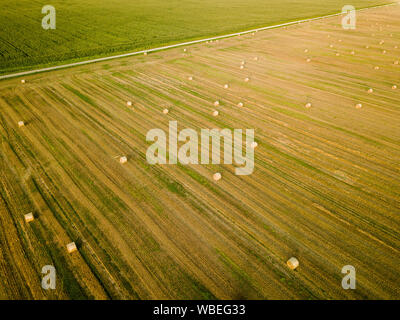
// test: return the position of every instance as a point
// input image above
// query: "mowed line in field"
(325, 188)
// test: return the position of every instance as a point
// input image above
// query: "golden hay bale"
(184, 50)
(246, 80)
(308, 60)
(29, 217)
(376, 68)
(240, 104)
(292, 263)
(394, 87)
(226, 86)
(352, 53)
(305, 50)
(396, 62)
(145, 53)
(241, 67)
(216, 103)
(71, 247)
(217, 176)
(367, 47)
(215, 113)
(337, 54)
(370, 90)
(331, 46)
(190, 78)
(396, 47)
(255, 58)
(254, 145)
(308, 105)
(123, 160)
(243, 63)
(21, 124)
(165, 111)
(129, 103)
(23, 81)
(358, 105)
(384, 51)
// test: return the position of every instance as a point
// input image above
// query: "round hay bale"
(21, 124)
(243, 63)
(216, 103)
(358, 106)
(305, 50)
(337, 54)
(352, 53)
(129, 103)
(165, 111)
(308, 105)
(242, 67)
(185, 50)
(240, 104)
(340, 40)
(190, 78)
(308, 60)
(396, 47)
(292, 263)
(215, 113)
(145, 53)
(367, 47)
(254, 145)
(396, 62)
(217, 176)
(255, 58)
(246, 80)
(384, 51)
(370, 90)
(23, 81)
(123, 160)
(331, 46)
(376, 68)
(226, 86)
(394, 87)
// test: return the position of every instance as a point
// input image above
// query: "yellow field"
(325, 187)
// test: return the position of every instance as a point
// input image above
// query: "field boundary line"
(181, 44)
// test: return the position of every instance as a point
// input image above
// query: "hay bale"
(255, 58)
(394, 87)
(243, 63)
(384, 51)
(240, 104)
(215, 113)
(21, 124)
(165, 111)
(396, 47)
(129, 103)
(71, 247)
(396, 62)
(376, 68)
(367, 47)
(254, 145)
(370, 90)
(217, 176)
(242, 67)
(358, 106)
(305, 50)
(184, 50)
(29, 217)
(23, 81)
(352, 53)
(337, 54)
(145, 53)
(216, 103)
(190, 78)
(308, 60)
(226, 86)
(246, 79)
(123, 160)
(308, 105)
(293, 263)
(331, 46)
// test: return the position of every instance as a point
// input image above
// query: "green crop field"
(94, 28)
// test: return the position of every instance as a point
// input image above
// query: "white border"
(7, 76)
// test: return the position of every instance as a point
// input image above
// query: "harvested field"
(325, 188)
